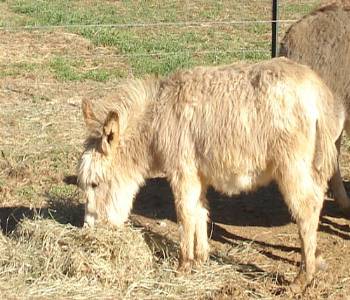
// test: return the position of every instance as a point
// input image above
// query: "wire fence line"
(145, 25)
(180, 52)
(243, 53)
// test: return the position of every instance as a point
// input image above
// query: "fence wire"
(146, 25)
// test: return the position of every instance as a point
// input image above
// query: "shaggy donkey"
(234, 127)
(321, 40)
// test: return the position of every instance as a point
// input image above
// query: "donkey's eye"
(94, 185)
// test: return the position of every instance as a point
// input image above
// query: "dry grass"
(43, 258)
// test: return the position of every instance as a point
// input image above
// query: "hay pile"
(43, 258)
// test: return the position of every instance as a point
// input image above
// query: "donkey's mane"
(130, 100)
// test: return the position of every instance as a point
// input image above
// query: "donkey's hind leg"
(304, 198)
(337, 185)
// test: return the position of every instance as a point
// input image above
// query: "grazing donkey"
(234, 127)
(321, 40)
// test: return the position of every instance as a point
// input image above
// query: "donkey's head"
(108, 187)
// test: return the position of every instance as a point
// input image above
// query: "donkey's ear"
(110, 132)
(90, 119)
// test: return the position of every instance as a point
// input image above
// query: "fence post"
(274, 23)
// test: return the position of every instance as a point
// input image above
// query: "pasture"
(46, 69)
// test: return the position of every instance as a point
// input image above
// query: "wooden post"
(274, 41)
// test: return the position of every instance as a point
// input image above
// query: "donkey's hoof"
(90, 220)
(295, 288)
(185, 267)
(200, 260)
(198, 264)
(321, 264)
(300, 283)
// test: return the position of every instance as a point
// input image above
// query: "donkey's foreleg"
(187, 191)
(201, 249)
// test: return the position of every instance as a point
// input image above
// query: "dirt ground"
(262, 222)
(41, 134)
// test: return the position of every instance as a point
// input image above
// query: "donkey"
(234, 127)
(321, 40)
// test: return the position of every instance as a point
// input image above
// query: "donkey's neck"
(136, 117)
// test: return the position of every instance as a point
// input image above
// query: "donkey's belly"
(236, 183)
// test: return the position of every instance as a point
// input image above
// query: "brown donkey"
(234, 127)
(321, 40)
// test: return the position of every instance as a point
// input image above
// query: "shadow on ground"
(64, 211)
(263, 208)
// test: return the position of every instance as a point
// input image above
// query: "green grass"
(26, 192)
(17, 69)
(152, 49)
(63, 69)
(61, 12)
(62, 191)
(69, 70)
(299, 9)
(159, 49)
